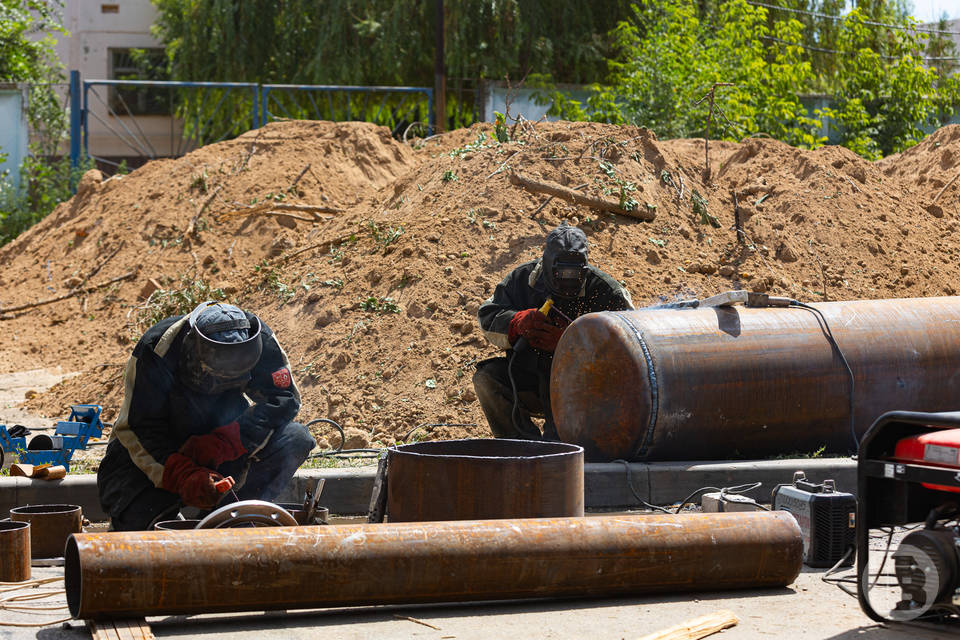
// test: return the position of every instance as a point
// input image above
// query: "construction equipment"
(70, 435)
(827, 518)
(131, 574)
(908, 476)
(745, 382)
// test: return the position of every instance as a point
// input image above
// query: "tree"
(668, 57)
(30, 60)
(885, 94)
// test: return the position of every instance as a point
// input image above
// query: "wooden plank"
(134, 629)
(697, 628)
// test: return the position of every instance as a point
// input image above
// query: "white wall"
(92, 32)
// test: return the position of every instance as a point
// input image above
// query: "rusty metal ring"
(258, 513)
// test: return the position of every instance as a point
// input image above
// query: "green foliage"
(671, 52)
(668, 58)
(885, 95)
(386, 42)
(177, 301)
(26, 56)
(379, 305)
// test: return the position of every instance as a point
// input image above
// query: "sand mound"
(375, 303)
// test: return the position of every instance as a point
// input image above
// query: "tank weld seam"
(654, 390)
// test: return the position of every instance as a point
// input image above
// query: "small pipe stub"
(51, 524)
(14, 551)
(484, 479)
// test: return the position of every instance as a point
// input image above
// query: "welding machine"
(827, 519)
(908, 489)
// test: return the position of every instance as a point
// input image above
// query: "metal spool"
(483, 479)
(132, 574)
(50, 525)
(725, 382)
(14, 551)
(248, 513)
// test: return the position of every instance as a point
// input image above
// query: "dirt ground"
(374, 298)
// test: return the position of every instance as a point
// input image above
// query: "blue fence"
(203, 112)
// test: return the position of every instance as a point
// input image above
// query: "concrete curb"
(347, 491)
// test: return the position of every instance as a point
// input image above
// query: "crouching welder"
(516, 318)
(207, 397)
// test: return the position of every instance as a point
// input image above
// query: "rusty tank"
(480, 479)
(735, 382)
(147, 573)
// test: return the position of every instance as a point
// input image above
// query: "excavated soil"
(375, 299)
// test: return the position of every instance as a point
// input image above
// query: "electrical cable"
(734, 490)
(833, 342)
(652, 507)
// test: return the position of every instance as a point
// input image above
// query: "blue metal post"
(255, 124)
(75, 119)
(86, 121)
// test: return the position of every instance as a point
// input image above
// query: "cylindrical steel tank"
(147, 573)
(483, 479)
(713, 383)
(50, 524)
(14, 551)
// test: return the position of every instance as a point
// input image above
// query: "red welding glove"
(544, 336)
(523, 322)
(195, 485)
(213, 449)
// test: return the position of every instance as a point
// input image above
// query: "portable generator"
(908, 477)
(827, 519)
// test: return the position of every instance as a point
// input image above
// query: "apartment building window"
(139, 64)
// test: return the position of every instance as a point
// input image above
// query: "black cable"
(840, 582)
(652, 507)
(833, 342)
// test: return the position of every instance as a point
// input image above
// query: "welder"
(207, 417)
(515, 388)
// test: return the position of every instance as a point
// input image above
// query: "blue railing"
(398, 108)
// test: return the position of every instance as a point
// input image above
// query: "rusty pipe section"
(14, 551)
(50, 524)
(481, 479)
(130, 574)
(724, 382)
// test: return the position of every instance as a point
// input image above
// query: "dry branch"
(273, 208)
(73, 293)
(574, 197)
(191, 228)
(697, 628)
(940, 193)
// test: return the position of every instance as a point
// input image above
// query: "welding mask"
(565, 261)
(220, 349)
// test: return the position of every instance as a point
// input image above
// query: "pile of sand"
(375, 301)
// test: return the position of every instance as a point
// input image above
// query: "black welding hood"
(565, 261)
(220, 349)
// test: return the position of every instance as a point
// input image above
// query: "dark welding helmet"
(565, 261)
(220, 349)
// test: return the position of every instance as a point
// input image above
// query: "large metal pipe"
(481, 479)
(14, 551)
(741, 382)
(131, 574)
(50, 524)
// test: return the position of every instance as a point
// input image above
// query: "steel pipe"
(50, 524)
(726, 382)
(14, 551)
(132, 574)
(482, 479)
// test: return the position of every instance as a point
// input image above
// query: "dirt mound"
(375, 303)
(929, 171)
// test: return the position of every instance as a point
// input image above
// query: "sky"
(931, 10)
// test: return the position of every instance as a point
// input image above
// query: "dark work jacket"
(524, 288)
(159, 413)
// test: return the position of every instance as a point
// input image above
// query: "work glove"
(544, 336)
(522, 323)
(197, 486)
(213, 449)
